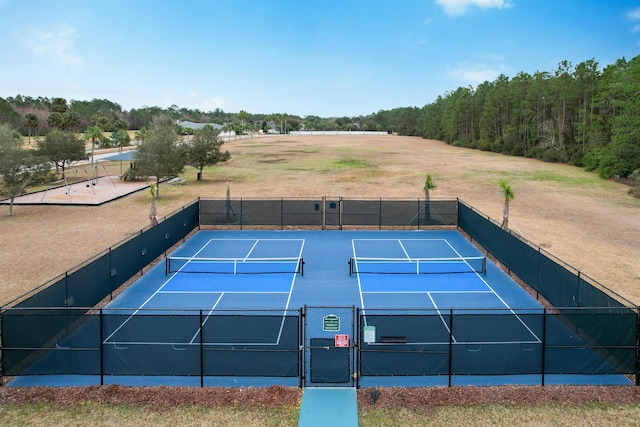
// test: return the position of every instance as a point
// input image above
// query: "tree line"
(580, 115)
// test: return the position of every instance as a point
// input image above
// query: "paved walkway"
(328, 407)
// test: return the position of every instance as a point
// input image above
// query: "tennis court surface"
(318, 308)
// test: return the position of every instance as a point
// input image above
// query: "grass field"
(107, 415)
(592, 224)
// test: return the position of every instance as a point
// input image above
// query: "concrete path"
(327, 406)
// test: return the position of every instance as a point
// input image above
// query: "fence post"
(201, 351)
(101, 352)
(638, 346)
(357, 342)
(324, 212)
(281, 213)
(354, 346)
(301, 347)
(544, 345)
(1, 352)
(303, 344)
(450, 345)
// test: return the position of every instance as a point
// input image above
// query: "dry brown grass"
(592, 224)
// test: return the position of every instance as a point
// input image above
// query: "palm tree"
(243, 116)
(227, 128)
(429, 184)
(153, 211)
(507, 192)
(284, 117)
(141, 134)
(30, 122)
(93, 133)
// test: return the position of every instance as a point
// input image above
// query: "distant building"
(196, 126)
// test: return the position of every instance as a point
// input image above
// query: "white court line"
(502, 301)
(149, 299)
(223, 292)
(491, 290)
(207, 318)
(251, 250)
(159, 290)
(404, 250)
(428, 292)
(441, 317)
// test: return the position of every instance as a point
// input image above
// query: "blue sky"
(320, 57)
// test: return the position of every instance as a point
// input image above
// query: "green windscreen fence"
(328, 212)
(562, 286)
(87, 285)
(596, 318)
(493, 342)
(114, 342)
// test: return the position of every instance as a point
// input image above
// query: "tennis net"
(363, 265)
(234, 265)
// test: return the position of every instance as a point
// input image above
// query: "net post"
(301, 261)
(350, 262)
(484, 265)
(166, 266)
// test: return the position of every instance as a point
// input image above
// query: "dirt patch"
(88, 192)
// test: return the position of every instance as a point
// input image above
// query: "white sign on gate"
(369, 334)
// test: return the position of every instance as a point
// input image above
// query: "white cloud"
(459, 7)
(56, 44)
(634, 14)
(475, 75)
(212, 103)
(636, 28)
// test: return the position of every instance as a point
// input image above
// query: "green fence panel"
(90, 284)
(126, 260)
(45, 341)
(220, 212)
(361, 212)
(302, 212)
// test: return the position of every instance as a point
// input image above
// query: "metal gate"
(332, 213)
(329, 346)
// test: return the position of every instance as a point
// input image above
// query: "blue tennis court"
(269, 307)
